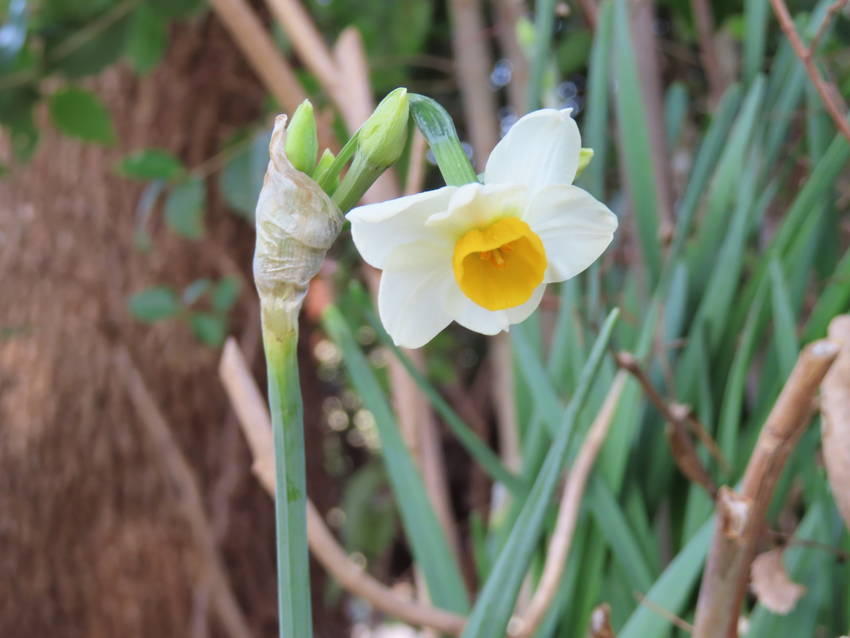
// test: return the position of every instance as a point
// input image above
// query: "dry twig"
(717, 81)
(828, 93)
(254, 419)
(259, 48)
(562, 536)
(473, 64)
(833, 10)
(679, 417)
(741, 516)
(174, 463)
(835, 408)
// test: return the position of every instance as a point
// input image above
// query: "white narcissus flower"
(482, 254)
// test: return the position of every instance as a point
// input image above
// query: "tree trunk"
(93, 542)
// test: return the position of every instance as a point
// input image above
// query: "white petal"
(542, 148)
(410, 302)
(472, 316)
(523, 312)
(377, 229)
(574, 227)
(477, 205)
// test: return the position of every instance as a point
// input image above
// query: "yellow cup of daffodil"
(482, 254)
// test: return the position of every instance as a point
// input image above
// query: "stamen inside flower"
(499, 266)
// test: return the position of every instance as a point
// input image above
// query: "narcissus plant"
(482, 254)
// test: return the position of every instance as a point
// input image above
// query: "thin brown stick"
(174, 463)
(473, 63)
(833, 10)
(508, 15)
(717, 81)
(256, 426)
(259, 49)
(664, 613)
(590, 11)
(677, 416)
(835, 409)
(827, 91)
(741, 516)
(417, 167)
(562, 536)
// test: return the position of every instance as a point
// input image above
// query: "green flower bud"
(296, 224)
(302, 141)
(584, 157)
(384, 134)
(325, 162)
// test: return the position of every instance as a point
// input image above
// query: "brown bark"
(94, 544)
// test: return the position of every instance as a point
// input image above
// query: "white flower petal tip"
(541, 149)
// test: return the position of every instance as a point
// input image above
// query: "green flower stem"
(356, 182)
(327, 177)
(437, 127)
(290, 484)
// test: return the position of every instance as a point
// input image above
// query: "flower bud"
(323, 165)
(584, 157)
(383, 136)
(296, 224)
(302, 142)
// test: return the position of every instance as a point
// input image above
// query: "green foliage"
(242, 177)
(184, 208)
(204, 305)
(154, 304)
(80, 113)
(151, 164)
(147, 39)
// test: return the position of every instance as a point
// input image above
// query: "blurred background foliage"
(754, 268)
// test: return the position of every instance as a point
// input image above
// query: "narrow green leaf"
(80, 113)
(154, 304)
(486, 458)
(756, 14)
(428, 542)
(496, 602)
(675, 111)
(833, 300)
(184, 208)
(151, 164)
(672, 590)
(596, 130)
(785, 329)
(634, 137)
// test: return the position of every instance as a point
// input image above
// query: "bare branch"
(562, 536)
(258, 47)
(833, 10)
(741, 517)
(717, 81)
(826, 90)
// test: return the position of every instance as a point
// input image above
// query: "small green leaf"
(75, 56)
(154, 304)
(208, 328)
(80, 113)
(195, 291)
(225, 293)
(147, 40)
(151, 163)
(184, 209)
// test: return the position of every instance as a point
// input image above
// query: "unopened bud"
(322, 167)
(302, 142)
(296, 224)
(383, 136)
(584, 157)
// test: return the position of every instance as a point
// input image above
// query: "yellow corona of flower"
(482, 254)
